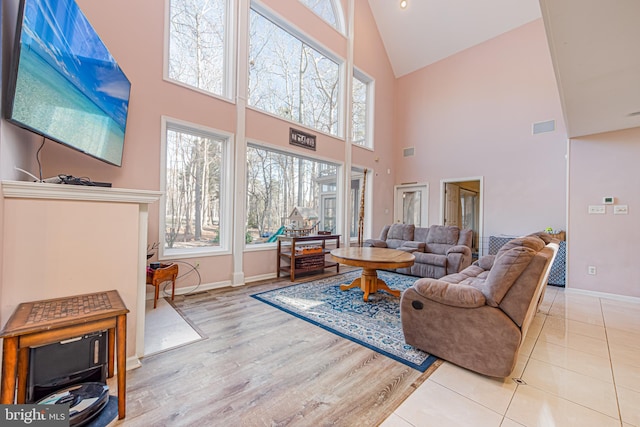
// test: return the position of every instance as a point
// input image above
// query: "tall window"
(198, 44)
(362, 107)
(195, 192)
(286, 190)
(291, 79)
(329, 10)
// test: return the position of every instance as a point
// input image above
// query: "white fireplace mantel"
(42, 190)
(50, 248)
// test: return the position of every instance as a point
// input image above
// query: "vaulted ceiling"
(430, 30)
(593, 45)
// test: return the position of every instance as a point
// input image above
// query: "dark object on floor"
(85, 401)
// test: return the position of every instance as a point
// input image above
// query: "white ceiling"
(430, 30)
(594, 48)
(593, 45)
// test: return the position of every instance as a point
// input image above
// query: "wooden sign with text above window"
(302, 139)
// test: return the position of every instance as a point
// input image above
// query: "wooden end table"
(370, 259)
(45, 322)
(157, 276)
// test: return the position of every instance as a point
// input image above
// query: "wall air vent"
(408, 152)
(542, 127)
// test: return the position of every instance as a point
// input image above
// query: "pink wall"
(140, 50)
(605, 165)
(262, 127)
(371, 58)
(467, 115)
(54, 248)
(471, 115)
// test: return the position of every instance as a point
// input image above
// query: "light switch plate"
(620, 209)
(597, 209)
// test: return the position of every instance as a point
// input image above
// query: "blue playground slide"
(275, 235)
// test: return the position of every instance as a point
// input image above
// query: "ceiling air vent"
(408, 152)
(541, 127)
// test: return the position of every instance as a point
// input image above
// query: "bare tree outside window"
(197, 43)
(325, 9)
(276, 184)
(290, 79)
(193, 189)
(359, 112)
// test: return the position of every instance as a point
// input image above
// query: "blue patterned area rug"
(374, 324)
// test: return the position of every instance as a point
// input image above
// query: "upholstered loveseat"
(478, 318)
(439, 249)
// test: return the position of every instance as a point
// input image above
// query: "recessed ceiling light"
(403, 4)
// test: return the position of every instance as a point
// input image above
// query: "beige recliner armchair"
(478, 318)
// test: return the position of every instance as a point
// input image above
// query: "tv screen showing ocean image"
(68, 86)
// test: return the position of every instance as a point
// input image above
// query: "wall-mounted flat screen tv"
(64, 83)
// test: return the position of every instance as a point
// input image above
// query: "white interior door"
(411, 204)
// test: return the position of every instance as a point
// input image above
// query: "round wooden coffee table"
(371, 259)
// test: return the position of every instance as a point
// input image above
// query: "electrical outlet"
(591, 270)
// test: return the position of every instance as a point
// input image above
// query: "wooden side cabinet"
(298, 260)
(38, 323)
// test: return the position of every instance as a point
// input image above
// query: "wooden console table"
(290, 254)
(45, 322)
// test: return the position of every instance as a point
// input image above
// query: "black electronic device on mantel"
(78, 181)
(64, 84)
(72, 180)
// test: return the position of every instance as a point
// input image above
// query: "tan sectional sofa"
(439, 249)
(478, 318)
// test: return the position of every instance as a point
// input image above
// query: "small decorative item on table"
(308, 249)
(561, 235)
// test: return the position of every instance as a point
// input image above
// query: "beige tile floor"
(165, 329)
(580, 363)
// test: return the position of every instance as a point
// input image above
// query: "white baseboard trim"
(260, 277)
(133, 363)
(190, 289)
(603, 295)
(238, 279)
(203, 287)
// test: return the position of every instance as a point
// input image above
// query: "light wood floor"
(263, 367)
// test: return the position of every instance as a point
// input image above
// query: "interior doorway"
(461, 205)
(411, 204)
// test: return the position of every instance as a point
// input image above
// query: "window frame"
(226, 191)
(249, 247)
(369, 82)
(336, 7)
(229, 70)
(306, 39)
